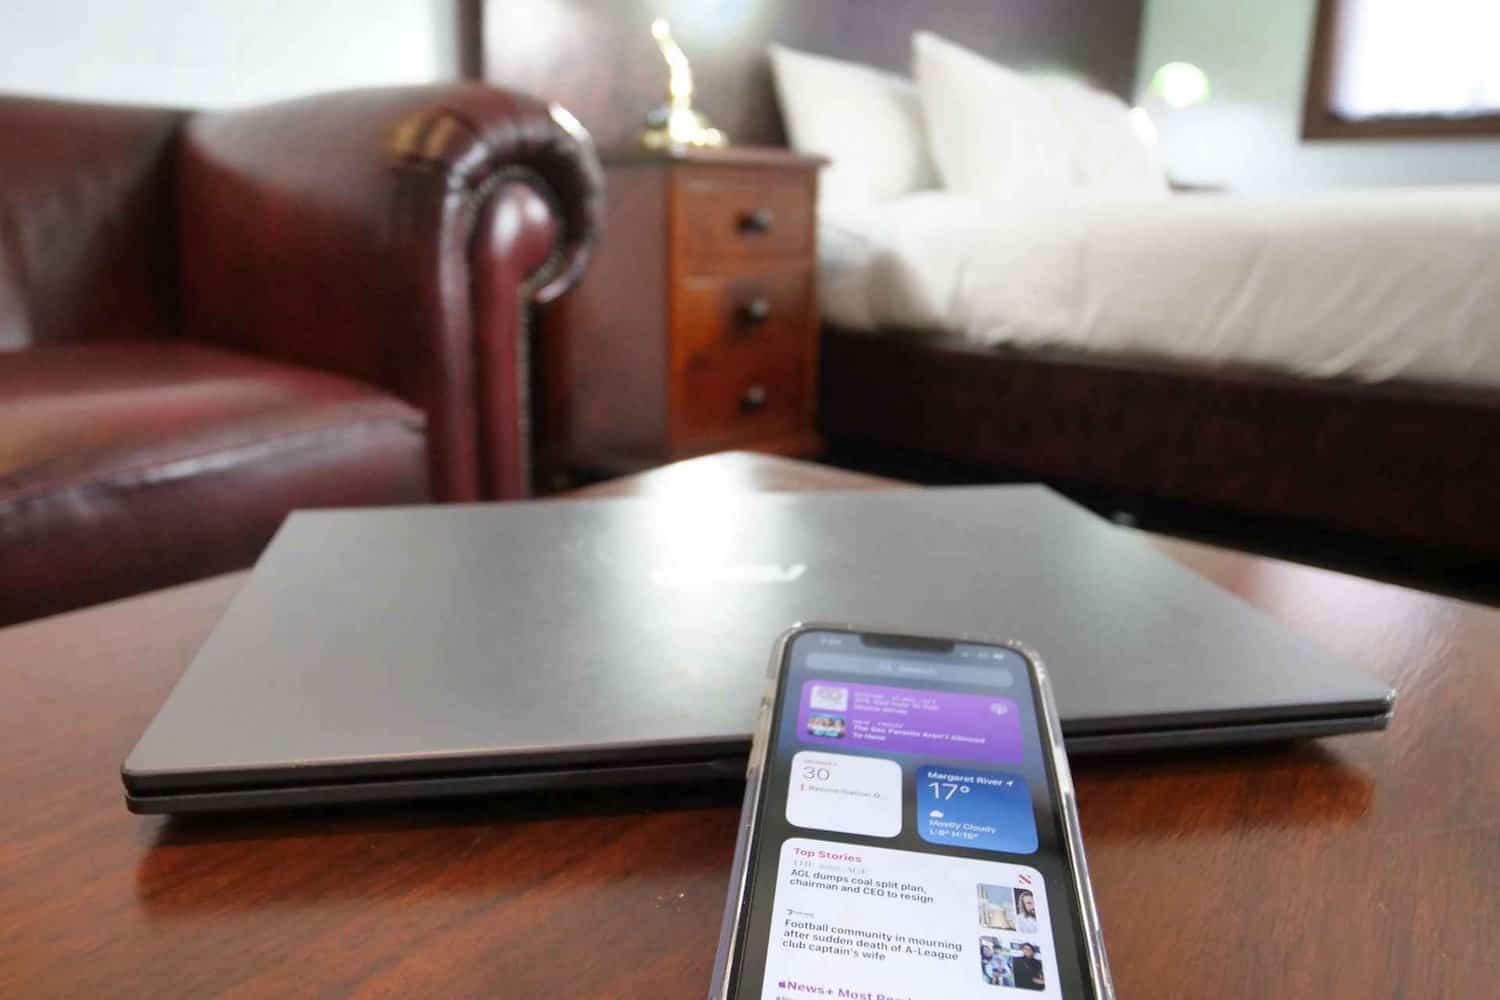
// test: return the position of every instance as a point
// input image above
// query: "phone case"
(1097, 964)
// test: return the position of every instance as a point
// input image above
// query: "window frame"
(1319, 121)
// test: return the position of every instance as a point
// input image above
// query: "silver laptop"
(409, 652)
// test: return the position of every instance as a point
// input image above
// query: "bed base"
(1399, 462)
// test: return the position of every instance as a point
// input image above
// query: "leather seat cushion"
(132, 464)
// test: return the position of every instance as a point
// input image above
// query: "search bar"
(883, 666)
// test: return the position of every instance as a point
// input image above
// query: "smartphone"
(909, 829)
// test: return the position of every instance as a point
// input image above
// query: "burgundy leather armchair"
(209, 320)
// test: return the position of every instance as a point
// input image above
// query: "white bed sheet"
(1399, 283)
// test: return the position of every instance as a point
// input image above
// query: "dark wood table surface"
(1363, 866)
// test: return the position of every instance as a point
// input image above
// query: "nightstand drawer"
(696, 326)
(720, 213)
(726, 394)
(771, 310)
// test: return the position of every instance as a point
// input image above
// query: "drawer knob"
(758, 221)
(755, 311)
(754, 399)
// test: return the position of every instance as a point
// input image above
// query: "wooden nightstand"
(695, 328)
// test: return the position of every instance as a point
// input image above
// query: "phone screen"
(908, 842)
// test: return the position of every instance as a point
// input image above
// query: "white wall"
(1255, 53)
(221, 53)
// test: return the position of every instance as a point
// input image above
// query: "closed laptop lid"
(411, 641)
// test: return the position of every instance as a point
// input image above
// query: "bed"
(1372, 286)
(1202, 348)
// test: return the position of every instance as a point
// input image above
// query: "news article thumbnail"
(1012, 960)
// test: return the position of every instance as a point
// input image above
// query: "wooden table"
(1365, 866)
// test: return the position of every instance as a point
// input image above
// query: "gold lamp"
(675, 124)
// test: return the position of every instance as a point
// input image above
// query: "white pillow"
(867, 122)
(1109, 158)
(994, 133)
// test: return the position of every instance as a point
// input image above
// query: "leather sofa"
(208, 320)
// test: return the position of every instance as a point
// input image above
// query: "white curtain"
(1416, 57)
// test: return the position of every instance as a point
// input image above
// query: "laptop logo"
(690, 576)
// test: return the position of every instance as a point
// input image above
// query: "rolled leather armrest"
(398, 236)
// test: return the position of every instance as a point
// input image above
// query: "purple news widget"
(838, 714)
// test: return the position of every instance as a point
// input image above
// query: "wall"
(596, 56)
(222, 53)
(1255, 53)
